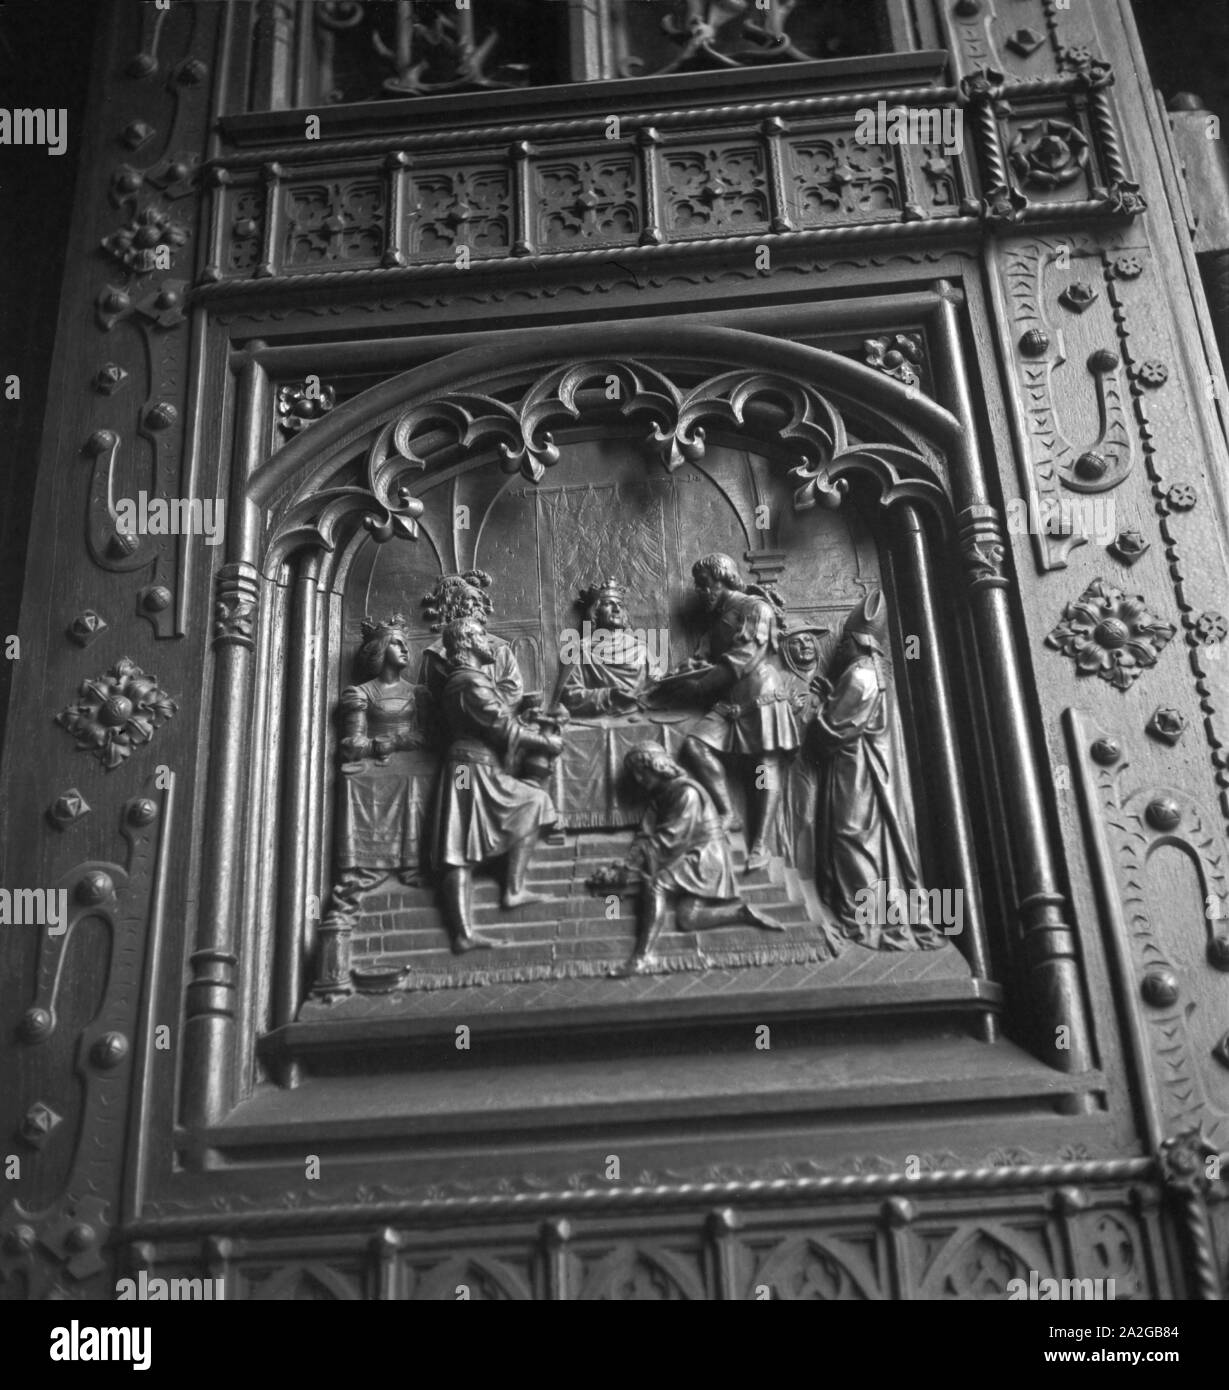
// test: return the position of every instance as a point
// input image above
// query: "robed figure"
(388, 770)
(867, 847)
(457, 596)
(485, 809)
(680, 854)
(739, 678)
(610, 668)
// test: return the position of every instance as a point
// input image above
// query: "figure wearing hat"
(866, 837)
(613, 667)
(457, 596)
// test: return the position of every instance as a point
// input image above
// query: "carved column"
(934, 690)
(274, 55)
(209, 1030)
(1054, 977)
(297, 881)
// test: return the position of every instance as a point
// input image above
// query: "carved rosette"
(1048, 154)
(301, 403)
(897, 356)
(1110, 634)
(117, 712)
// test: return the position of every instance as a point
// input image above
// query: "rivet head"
(20, 1240)
(68, 807)
(1078, 296)
(35, 1025)
(157, 599)
(1035, 342)
(95, 887)
(142, 812)
(1129, 545)
(136, 134)
(1103, 360)
(40, 1122)
(109, 378)
(81, 1236)
(1163, 813)
(116, 302)
(1167, 724)
(161, 416)
(1106, 751)
(141, 65)
(109, 1051)
(122, 544)
(100, 441)
(1160, 988)
(169, 299)
(1218, 952)
(1091, 465)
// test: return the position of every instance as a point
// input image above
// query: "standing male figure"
(750, 716)
(457, 596)
(485, 810)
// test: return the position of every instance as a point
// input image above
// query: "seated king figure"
(611, 667)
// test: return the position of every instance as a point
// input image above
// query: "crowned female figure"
(387, 774)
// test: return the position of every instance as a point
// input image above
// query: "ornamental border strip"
(1002, 206)
(1036, 215)
(681, 1194)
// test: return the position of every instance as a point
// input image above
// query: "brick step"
(593, 847)
(585, 933)
(757, 887)
(579, 907)
(549, 877)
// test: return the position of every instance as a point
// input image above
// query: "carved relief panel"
(543, 683)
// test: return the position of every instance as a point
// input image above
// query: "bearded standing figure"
(866, 837)
(457, 596)
(485, 810)
(750, 716)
